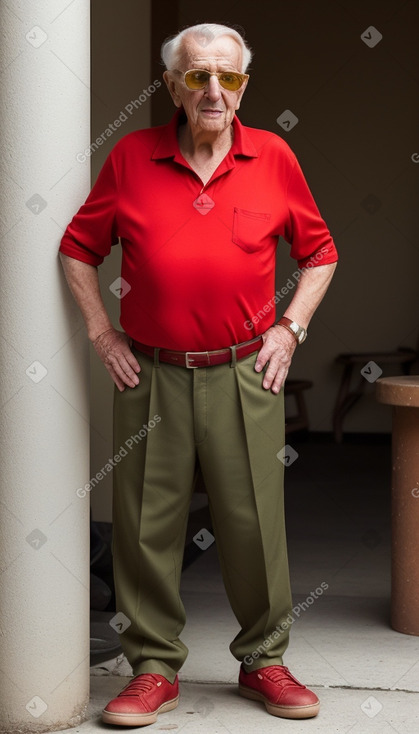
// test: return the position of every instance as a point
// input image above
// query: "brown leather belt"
(191, 360)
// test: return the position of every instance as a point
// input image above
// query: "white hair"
(171, 49)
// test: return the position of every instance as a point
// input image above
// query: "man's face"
(212, 108)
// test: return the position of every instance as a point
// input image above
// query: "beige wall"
(358, 110)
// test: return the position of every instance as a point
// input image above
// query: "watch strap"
(298, 332)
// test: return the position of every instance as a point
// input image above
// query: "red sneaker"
(140, 702)
(281, 693)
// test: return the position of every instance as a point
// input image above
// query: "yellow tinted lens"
(230, 81)
(196, 79)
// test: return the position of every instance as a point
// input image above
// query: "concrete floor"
(365, 674)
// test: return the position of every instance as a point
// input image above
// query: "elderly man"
(198, 206)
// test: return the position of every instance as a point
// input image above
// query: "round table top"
(399, 390)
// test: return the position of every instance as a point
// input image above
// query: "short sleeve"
(92, 231)
(307, 231)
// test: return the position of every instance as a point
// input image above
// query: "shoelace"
(141, 684)
(281, 674)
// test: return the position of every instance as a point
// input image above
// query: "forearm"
(83, 282)
(278, 343)
(311, 289)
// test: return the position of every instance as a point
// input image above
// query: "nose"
(213, 89)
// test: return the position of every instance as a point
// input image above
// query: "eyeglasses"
(199, 78)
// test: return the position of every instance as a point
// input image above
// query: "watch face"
(299, 332)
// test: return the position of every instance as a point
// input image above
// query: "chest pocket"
(250, 229)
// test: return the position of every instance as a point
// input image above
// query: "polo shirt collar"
(168, 146)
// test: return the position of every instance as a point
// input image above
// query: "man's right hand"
(113, 348)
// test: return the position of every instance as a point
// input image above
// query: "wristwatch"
(298, 331)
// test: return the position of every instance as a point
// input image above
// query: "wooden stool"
(299, 420)
(346, 396)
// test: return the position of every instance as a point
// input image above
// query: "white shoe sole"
(286, 712)
(119, 719)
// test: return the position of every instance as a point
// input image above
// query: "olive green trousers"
(222, 416)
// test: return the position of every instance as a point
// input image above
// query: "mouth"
(211, 113)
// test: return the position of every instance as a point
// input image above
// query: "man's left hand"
(278, 348)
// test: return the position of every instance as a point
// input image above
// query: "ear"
(172, 87)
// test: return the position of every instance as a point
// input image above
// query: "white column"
(44, 415)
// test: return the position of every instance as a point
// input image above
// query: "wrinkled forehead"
(221, 53)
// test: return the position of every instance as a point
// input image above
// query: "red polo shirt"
(198, 261)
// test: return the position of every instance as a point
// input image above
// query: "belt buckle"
(188, 357)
